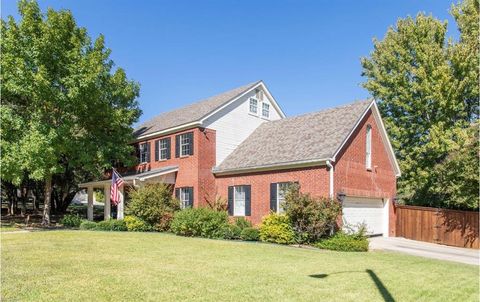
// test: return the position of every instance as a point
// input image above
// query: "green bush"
(242, 223)
(135, 224)
(311, 218)
(87, 225)
(200, 222)
(276, 228)
(154, 204)
(344, 242)
(71, 221)
(250, 234)
(229, 231)
(111, 225)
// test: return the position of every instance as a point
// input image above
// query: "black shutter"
(157, 149)
(177, 193)
(248, 203)
(168, 147)
(137, 152)
(190, 140)
(230, 201)
(148, 152)
(273, 197)
(190, 197)
(177, 146)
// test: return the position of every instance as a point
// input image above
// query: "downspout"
(330, 172)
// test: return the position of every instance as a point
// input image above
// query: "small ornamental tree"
(311, 218)
(153, 204)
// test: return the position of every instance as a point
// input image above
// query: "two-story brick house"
(239, 145)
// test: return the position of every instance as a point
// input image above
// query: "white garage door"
(365, 210)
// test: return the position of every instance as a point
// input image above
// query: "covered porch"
(160, 175)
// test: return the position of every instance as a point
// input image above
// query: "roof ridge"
(356, 102)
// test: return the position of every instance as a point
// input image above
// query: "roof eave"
(272, 167)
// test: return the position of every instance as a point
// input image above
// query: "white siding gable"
(234, 123)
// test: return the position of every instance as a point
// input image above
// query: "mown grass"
(115, 266)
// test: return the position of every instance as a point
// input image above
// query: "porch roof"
(131, 178)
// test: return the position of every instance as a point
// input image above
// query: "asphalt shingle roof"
(306, 137)
(190, 113)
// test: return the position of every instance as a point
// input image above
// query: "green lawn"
(103, 266)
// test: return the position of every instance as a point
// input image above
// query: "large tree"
(427, 88)
(64, 107)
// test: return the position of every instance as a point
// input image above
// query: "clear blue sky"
(307, 52)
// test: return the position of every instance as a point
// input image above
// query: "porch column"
(106, 206)
(90, 203)
(120, 204)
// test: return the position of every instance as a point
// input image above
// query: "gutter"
(330, 172)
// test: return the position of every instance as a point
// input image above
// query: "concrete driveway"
(426, 249)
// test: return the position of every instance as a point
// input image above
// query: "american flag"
(117, 182)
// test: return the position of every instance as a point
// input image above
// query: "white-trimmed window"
(185, 195)
(239, 199)
(282, 188)
(265, 110)
(253, 105)
(143, 152)
(163, 148)
(368, 148)
(184, 144)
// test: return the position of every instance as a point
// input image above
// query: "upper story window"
(253, 105)
(162, 149)
(144, 153)
(184, 144)
(368, 145)
(265, 110)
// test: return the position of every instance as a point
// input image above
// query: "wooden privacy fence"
(442, 226)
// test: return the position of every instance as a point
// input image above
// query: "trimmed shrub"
(344, 242)
(311, 218)
(111, 225)
(276, 228)
(200, 222)
(135, 224)
(71, 221)
(87, 225)
(250, 234)
(154, 204)
(229, 231)
(242, 223)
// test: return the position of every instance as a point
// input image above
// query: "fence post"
(437, 226)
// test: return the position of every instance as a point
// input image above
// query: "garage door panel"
(364, 210)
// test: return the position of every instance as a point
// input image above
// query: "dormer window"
(253, 105)
(265, 110)
(368, 147)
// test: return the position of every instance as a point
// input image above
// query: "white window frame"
(265, 110)
(253, 105)
(239, 211)
(142, 152)
(280, 196)
(184, 145)
(368, 148)
(184, 197)
(163, 149)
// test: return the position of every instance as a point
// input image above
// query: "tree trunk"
(24, 196)
(47, 201)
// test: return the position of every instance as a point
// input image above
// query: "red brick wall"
(351, 175)
(194, 170)
(313, 180)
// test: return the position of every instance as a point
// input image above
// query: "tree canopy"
(427, 89)
(63, 105)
